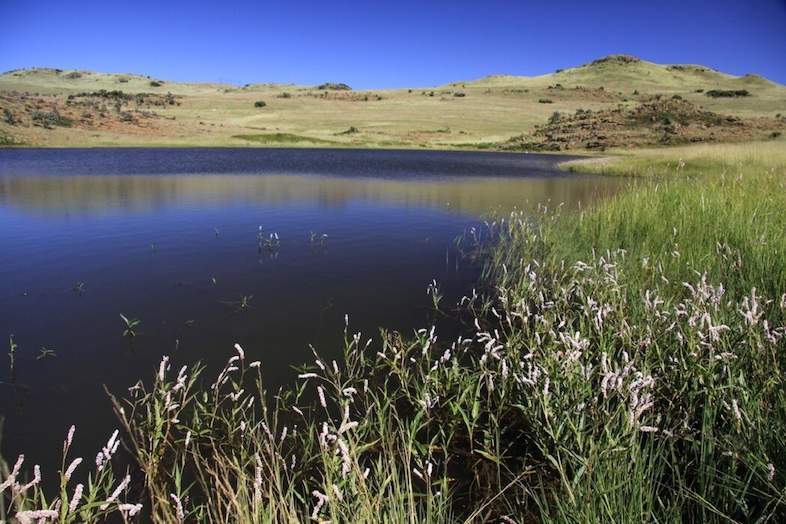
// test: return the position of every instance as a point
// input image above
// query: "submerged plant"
(315, 239)
(130, 326)
(12, 346)
(45, 352)
(245, 302)
(432, 290)
(241, 305)
(272, 242)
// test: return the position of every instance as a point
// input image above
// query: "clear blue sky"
(385, 44)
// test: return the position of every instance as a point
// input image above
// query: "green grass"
(718, 209)
(283, 138)
(688, 267)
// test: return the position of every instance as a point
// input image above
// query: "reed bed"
(621, 365)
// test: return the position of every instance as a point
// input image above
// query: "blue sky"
(385, 44)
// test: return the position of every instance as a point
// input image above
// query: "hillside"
(52, 107)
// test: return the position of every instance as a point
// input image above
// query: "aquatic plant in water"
(272, 242)
(12, 346)
(45, 352)
(315, 239)
(129, 330)
(432, 290)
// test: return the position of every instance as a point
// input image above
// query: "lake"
(172, 237)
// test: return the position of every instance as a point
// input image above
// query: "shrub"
(545, 101)
(775, 134)
(350, 131)
(555, 117)
(8, 117)
(285, 95)
(260, 103)
(459, 95)
(334, 86)
(727, 93)
(49, 119)
(8, 140)
(156, 83)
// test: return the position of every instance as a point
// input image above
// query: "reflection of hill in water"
(116, 193)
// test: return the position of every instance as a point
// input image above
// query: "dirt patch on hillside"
(658, 121)
(101, 110)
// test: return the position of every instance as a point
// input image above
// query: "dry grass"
(493, 110)
(692, 159)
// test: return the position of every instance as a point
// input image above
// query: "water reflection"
(88, 194)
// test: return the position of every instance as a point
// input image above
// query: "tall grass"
(719, 209)
(624, 365)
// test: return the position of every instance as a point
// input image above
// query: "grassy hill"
(52, 107)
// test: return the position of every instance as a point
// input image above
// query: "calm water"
(169, 236)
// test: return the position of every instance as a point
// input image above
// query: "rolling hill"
(66, 108)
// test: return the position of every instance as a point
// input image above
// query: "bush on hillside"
(50, 119)
(727, 93)
(8, 117)
(334, 86)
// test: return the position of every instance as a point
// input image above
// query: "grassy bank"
(688, 271)
(626, 364)
(719, 209)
